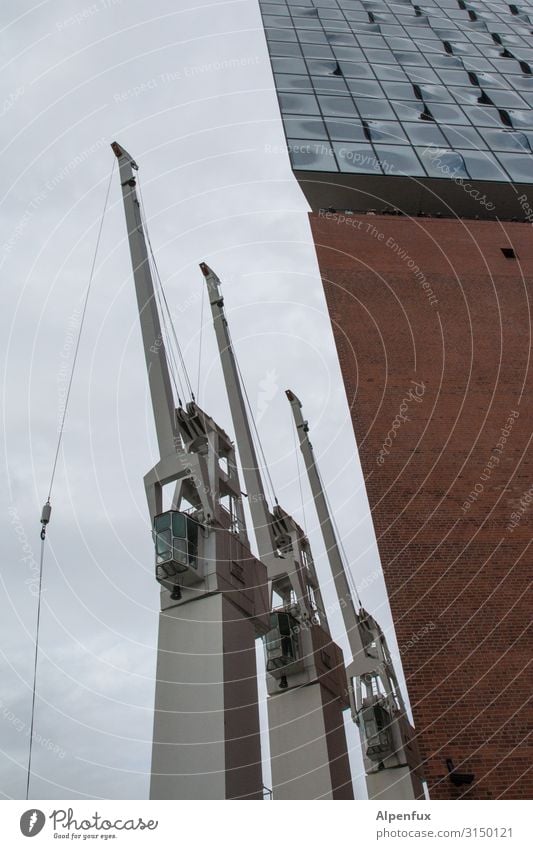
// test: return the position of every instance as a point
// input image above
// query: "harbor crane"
(390, 753)
(305, 667)
(214, 592)
(217, 598)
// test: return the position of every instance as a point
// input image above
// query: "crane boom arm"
(261, 516)
(154, 350)
(340, 578)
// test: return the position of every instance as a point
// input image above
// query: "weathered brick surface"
(458, 576)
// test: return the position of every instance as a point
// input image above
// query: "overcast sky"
(187, 89)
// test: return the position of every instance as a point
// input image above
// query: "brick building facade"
(432, 321)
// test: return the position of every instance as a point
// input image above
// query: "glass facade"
(440, 89)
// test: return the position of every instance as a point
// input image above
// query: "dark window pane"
(519, 167)
(435, 94)
(408, 110)
(431, 46)
(389, 72)
(521, 119)
(464, 137)
(279, 48)
(293, 81)
(401, 44)
(162, 522)
(330, 14)
(477, 63)
(442, 163)
(342, 38)
(309, 36)
(410, 58)
(482, 165)
(384, 57)
(528, 97)
(277, 21)
(357, 157)
(317, 51)
(392, 30)
(424, 132)
(336, 26)
(280, 35)
(372, 41)
(365, 88)
(375, 109)
(491, 80)
(302, 127)
(483, 116)
(506, 99)
(363, 25)
(350, 54)
(323, 67)
(163, 545)
(520, 82)
(445, 113)
(307, 23)
(422, 75)
(274, 9)
(465, 48)
(348, 130)
(454, 78)
(399, 160)
(308, 155)
(361, 70)
(288, 65)
(303, 9)
(445, 62)
(337, 105)
(330, 85)
(386, 132)
(506, 66)
(398, 91)
(469, 95)
(353, 14)
(303, 104)
(511, 140)
(179, 525)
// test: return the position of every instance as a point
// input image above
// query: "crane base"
(206, 726)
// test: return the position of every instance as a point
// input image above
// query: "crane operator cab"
(377, 731)
(176, 547)
(281, 646)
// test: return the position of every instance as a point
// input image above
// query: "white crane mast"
(156, 362)
(388, 740)
(214, 594)
(306, 681)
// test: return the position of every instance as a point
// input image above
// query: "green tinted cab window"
(162, 522)
(192, 531)
(179, 526)
(163, 545)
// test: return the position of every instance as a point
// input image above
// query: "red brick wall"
(434, 341)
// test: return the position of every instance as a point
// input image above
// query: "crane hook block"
(45, 518)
